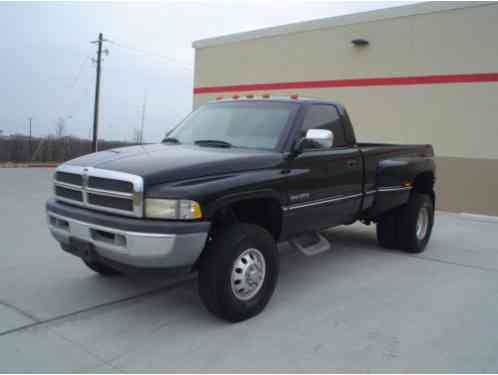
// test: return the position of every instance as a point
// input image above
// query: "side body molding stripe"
(383, 189)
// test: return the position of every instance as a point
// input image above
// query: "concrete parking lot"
(357, 307)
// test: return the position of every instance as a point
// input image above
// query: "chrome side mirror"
(315, 139)
(320, 137)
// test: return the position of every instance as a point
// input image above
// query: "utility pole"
(30, 144)
(143, 118)
(97, 91)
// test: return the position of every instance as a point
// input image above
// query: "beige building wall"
(459, 119)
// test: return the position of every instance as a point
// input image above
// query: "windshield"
(235, 124)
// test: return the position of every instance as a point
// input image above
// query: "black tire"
(397, 229)
(407, 223)
(102, 269)
(216, 265)
(386, 230)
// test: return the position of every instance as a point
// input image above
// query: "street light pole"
(30, 143)
(143, 118)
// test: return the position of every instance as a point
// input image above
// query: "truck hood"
(160, 163)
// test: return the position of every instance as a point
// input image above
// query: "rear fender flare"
(397, 172)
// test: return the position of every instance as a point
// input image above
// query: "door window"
(323, 116)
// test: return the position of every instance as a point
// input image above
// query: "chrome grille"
(69, 178)
(69, 193)
(108, 184)
(111, 202)
(99, 189)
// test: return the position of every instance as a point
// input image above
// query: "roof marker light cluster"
(252, 96)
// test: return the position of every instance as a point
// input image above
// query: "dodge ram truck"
(230, 182)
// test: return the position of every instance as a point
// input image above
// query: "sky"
(48, 73)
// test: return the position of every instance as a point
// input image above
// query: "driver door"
(324, 187)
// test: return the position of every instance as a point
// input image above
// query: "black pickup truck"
(227, 184)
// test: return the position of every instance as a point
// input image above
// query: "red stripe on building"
(360, 82)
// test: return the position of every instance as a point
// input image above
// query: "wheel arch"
(263, 208)
(424, 183)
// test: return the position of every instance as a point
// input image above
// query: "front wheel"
(238, 272)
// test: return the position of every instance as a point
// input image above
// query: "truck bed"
(389, 166)
(425, 150)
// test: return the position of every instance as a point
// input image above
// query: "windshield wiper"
(170, 140)
(213, 143)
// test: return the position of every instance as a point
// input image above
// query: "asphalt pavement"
(357, 307)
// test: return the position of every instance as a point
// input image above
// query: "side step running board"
(311, 243)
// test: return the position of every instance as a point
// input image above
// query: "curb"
(42, 165)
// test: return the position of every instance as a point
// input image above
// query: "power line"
(67, 91)
(73, 85)
(120, 45)
(71, 103)
(153, 54)
(145, 52)
(67, 105)
(75, 106)
(72, 100)
(78, 74)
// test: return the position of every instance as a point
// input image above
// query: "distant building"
(429, 74)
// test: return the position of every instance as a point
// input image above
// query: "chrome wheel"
(422, 223)
(248, 274)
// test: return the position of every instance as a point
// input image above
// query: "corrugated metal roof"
(350, 19)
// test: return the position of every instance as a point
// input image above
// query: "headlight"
(172, 209)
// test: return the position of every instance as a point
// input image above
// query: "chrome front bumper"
(132, 248)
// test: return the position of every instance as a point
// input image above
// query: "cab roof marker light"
(219, 98)
(250, 96)
(294, 97)
(266, 96)
(235, 97)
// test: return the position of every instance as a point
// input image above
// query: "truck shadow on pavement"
(174, 297)
(316, 291)
(350, 249)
